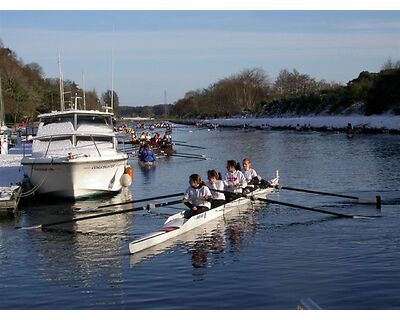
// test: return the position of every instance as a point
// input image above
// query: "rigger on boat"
(177, 224)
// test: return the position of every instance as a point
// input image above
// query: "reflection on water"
(264, 257)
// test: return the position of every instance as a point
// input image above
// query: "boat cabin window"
(98, 138)
(87, 140)
(94, 120)
(58, 119)
(56, 138)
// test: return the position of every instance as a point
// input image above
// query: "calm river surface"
(265, 257)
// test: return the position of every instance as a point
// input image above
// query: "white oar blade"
(364, 217)
(367, 200)
(87, 209)
(39, 226)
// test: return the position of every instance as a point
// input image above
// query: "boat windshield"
(59, 119)
(94, 120)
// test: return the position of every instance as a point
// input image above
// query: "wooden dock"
(9, 199)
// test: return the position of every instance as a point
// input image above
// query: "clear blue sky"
(180, 51)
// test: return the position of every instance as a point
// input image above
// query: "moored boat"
(177, 224)
(75, 154)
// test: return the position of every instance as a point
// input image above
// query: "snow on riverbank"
(10, 166)
(383, 122)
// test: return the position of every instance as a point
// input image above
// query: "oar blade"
(85, 209)
(39, 226)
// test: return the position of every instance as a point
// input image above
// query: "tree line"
(294, 93)
(27, 92)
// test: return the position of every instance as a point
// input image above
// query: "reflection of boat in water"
(177, 224)
(79, 255)
(75, 154)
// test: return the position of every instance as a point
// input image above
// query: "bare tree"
(390, 64)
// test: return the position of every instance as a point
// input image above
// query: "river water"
(262, 257)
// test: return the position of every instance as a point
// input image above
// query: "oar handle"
(189, 146)
(189, 157)
(142, 200)
(226, 192)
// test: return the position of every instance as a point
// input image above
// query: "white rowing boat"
(177, 224)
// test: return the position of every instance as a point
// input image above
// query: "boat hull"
(76, 178)
(177, 224)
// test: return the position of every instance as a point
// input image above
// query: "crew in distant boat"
(134, 137)
(167, 137)
(349, 129)
(148, 136)
(234, 179)
(155, 140)
(218, 198)
(146, 154)
(197, 196)
(143, 136)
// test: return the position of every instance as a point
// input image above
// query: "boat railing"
(74, 136)
(48, 146)
(94, 142)
(79, 134)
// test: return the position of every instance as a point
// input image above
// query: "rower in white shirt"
(234, 179)
(197, 196)
(218, 198)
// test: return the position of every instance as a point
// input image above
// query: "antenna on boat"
(75, 106)
(165, 102)
(112, 78)
(112, 71)
(62, 102)
(83, 89)
(2, 123)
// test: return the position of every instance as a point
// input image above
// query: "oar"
(190, 154)
(180, 141)
(189, 146)
(128, 202)
(189, 157)
(342, 215)
(376, 200)
(148, 207)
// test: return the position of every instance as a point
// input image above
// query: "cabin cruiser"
(74, 154)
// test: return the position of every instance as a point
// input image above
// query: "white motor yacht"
(74, 154)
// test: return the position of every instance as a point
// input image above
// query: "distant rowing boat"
(178, 224)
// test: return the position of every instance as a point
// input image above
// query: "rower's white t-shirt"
(219, 185)
(250, 174)
(196, 196)
(235, 178)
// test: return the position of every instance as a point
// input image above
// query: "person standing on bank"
(196, 197)
(218, 198)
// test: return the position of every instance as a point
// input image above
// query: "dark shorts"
(216, 203)
(191, 213)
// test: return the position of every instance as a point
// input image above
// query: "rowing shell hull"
(177, 224)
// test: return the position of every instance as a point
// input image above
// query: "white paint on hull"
(73, 179)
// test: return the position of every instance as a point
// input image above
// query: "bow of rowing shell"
(176, 224)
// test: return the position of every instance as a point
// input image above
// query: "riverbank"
(364, 124)
(11, 171)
